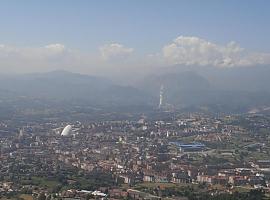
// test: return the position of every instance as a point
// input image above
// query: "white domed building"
(67, 131)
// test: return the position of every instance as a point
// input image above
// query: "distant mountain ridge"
(67, 86)
(235, 88)
(252, 78)
(216, 89)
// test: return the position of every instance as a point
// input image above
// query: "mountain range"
(236, 89)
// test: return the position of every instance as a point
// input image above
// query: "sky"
(114, 35)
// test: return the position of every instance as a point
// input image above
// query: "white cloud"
(56, 48)
(58, 56)
(114, 50)
(116, 58)
(29, 59)
(32, 53)
(196, 51)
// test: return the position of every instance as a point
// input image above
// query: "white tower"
(161, 96)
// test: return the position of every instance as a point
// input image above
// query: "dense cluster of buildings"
(179, 150)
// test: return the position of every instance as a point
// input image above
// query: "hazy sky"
(93, 36)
